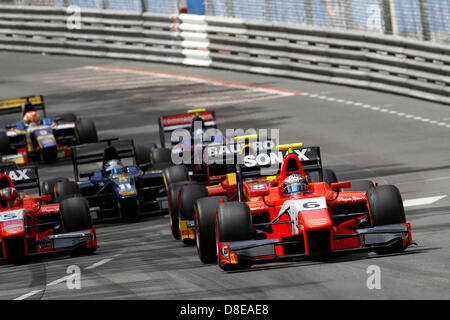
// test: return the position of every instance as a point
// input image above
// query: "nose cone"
(12, 229)
(11, 223)
(315, 219)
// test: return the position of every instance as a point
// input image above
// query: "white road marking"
(65, 278)
(27, 295)
(95, 265)
(422, 201)
(382, 110)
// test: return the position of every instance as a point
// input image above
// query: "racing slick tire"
(5, 148)
(68, 117)
(48, 186)
(186, 200)
(142, 154)
(75, 214)
(175, 174)
(65, 189)
(85, 131)
(161, 156)
(233, 223)
(205, 227)
(329, 176)
(386, 207)
(172, 195)
(361, 185)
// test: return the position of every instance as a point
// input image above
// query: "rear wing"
(258, 158)
(94, 152)
(15, 105)
(23, 178)
(168, 124)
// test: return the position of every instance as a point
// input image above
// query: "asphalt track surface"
(363, 134)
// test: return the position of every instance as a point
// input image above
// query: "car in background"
(36, 138)
(113, 188)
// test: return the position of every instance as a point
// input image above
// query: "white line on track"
(65, 278)
(422, 201)
(27, 295)
(380, 109)
(97, 264)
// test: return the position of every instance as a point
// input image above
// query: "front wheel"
(386, 207)
(205, 221)
(234, 223)
(75, 214)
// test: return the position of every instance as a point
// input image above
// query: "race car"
(168, 124)
(306, 219)
(31, 226)
(117, 189)
(185, 189)
(41, 139)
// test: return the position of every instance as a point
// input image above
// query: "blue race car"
(116, 190)
(39, 138)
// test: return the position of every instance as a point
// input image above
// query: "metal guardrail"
(403, 66)
(99, 33)
(416, 68)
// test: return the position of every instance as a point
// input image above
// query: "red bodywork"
(317, 227)
(28, 227)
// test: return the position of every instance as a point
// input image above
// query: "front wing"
(268, 250)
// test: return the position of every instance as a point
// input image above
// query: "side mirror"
(341, 185)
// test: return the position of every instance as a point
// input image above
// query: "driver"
(31, 118)
(295, 184)
(114, 167)
(8, 196)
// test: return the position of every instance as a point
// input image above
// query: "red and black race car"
(168, 124)
(189, 198)
(317, 220)
(30, 226)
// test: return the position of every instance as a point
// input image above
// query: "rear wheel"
(361, 185)
(234, 223)
(187, 197)
(205, 221)
(329, 176)
(161, 155)
(386, 207)
(48, 186)
(85, 131)
(68, 117)
(65, 189)
(142, 154)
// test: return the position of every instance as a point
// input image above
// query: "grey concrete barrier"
(415, 68)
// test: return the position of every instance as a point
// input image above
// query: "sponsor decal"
(11, 215)
(19, 175)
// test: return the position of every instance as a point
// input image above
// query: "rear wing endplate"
(23, 178)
